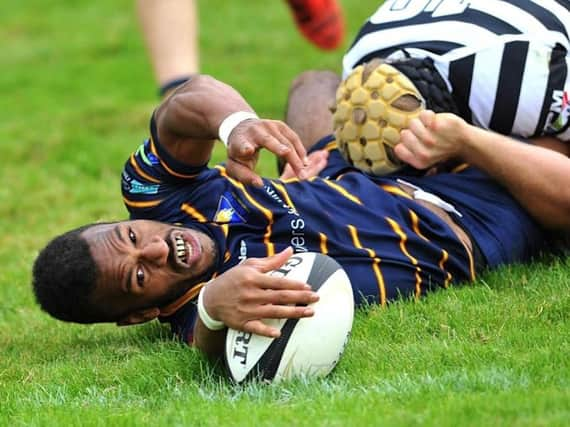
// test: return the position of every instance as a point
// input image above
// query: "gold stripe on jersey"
(193, 212)
(375, 263)
(333, 145)
(393, 189)
(174, 306)
(324, 246)
(290, 180)
(444, 254)
(147, 204)
(442, 262)
(268, 214)
(342, 191)
(285, 195)
(471, 262)
(460, 168)
(165, 166)
(416, 225)
(403, 239)
(138, 170)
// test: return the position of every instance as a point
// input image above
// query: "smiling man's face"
(146, 264)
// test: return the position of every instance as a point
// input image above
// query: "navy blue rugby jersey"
(506, 62)
(388, 244)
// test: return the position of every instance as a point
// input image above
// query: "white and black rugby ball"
(310, 346)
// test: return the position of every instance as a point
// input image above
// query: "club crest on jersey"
(229, 210)
(559, 114)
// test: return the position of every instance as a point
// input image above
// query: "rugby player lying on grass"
(396, 236)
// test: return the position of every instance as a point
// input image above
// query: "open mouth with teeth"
(182, 249)
(185, 249)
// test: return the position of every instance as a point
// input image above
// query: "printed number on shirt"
(398, 10)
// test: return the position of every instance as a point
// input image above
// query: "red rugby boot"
(320, 21)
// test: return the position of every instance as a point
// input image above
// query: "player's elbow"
(196, 86)
(556, 215)
(565, 208)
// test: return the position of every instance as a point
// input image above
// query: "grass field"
(76, 93)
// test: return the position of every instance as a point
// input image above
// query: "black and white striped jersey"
(506, 62)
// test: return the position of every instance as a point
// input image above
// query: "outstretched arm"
(537, 177)
(189, 120)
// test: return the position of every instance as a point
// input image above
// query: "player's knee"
(315, 78)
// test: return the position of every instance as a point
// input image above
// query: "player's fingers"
(275, 312)
(296, 143)
(243, 173)
(259, 328)
(240, 145)
(409, 140)
(421, 132)
(285, 311)
(317, 162)
(275, 280)
(271, 262)
(420, 157)
(287, 172)
(427, 117)
(292, 136)
(285, 297)
(295, 162)
(281, 147)
(405, 154)
(278, 138)
(264, 136)
(245, 151)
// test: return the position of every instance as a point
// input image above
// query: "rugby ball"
(307, 347)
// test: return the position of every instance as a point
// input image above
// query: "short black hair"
(64, 278)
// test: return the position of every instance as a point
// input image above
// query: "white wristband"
(230, 123)
(211, 324)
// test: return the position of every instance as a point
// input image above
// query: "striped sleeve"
(151, 175)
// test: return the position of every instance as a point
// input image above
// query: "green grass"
(77, 92)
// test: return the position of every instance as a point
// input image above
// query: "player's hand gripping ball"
(310, 346)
